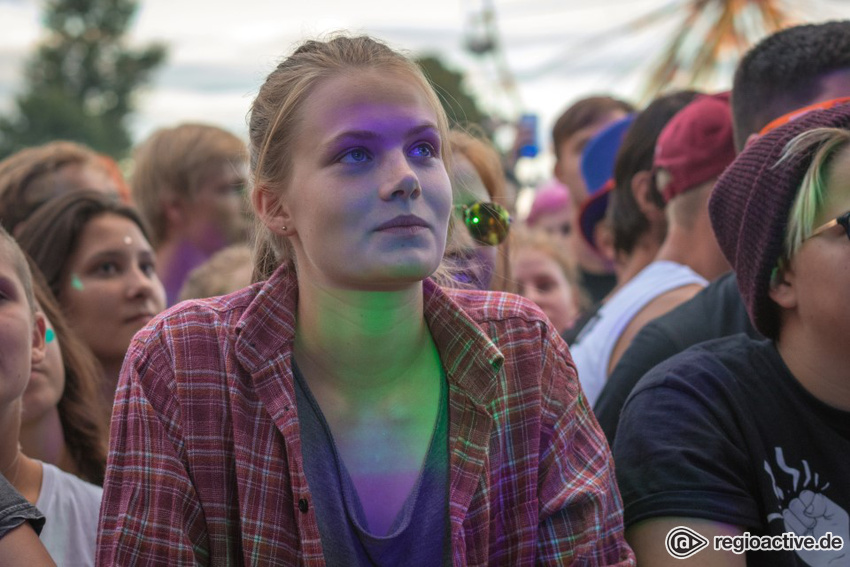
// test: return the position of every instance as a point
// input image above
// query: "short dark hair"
(52, 233)
(582, 114)
(636, 154)
(780, 73)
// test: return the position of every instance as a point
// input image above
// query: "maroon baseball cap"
(696, 145)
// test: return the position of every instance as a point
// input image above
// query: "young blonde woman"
(348, 410)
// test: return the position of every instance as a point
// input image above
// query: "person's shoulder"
(70, 489)
(495, 306)
(199, 314)
(724, 362)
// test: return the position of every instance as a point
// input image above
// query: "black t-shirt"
(716, 311)
(724, 432)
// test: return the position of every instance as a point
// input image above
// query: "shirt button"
(303, 505)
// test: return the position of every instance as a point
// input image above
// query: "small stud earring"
(283, 227)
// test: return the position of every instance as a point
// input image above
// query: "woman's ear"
(272, 210)
(39, 342)
(782, 289)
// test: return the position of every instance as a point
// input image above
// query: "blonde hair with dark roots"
(274, 120)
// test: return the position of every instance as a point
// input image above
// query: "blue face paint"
(49, 335)
(76, 283)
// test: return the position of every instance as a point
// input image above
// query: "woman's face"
(820, 270)
(215, 215)
(47, 380)
(559, 226)
(475, 261)
(368, 201)
(21, 341)
(542, 280)
(568, 166)
(110, 289)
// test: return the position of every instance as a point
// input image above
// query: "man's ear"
(557, 171)
(272, 210)
(173, 208)
(39, 342)
(641, 190)
(782, 289)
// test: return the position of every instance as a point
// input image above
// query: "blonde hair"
(824, 143)
(219, 274)
(275, 116)
(173, 163)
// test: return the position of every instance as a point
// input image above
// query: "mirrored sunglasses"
(488, 223)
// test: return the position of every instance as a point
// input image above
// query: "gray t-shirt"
(15, 510)
(420, 534)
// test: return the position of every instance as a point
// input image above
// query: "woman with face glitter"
(96, 258)
(346, 409)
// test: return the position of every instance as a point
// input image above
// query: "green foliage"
(79, 84)
(462, 109)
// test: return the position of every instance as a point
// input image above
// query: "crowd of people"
(338, 344)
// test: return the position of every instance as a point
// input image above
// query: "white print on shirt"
(805, 510)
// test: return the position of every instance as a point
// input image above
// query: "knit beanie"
(750, 205)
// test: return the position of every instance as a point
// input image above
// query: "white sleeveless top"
(594, 345)
(70, 507)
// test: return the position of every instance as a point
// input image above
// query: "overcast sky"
(220, 52)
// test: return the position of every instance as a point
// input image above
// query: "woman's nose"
(402, 180)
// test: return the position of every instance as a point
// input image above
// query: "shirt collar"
(470, 358)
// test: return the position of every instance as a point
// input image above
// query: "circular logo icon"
(682, 542)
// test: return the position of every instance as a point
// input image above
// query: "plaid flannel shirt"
(205, 463)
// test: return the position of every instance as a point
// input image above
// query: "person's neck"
(694, 248)
(10, 425)
(44, 439)
(819, 364)
(360, 341)
(629, 265)
(111, 372)
(175, 258)
(22, 472)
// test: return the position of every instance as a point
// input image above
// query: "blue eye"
(423, 150)
(357, 155)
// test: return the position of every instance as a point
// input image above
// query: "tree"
(80, 82)
(460, 107)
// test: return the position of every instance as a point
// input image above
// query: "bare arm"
(22, 548)
(647, 541)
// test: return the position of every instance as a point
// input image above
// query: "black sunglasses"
(488, 223)
(843, 220)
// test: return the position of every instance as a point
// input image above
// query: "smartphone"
(527, 136)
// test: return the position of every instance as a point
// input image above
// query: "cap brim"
(593, 211)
